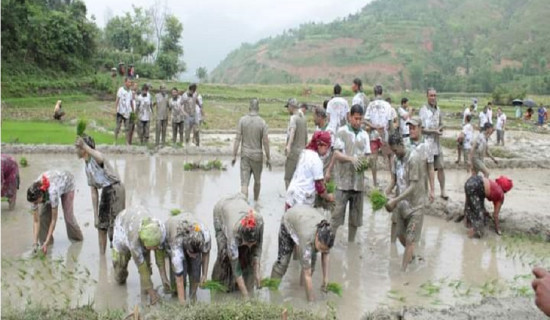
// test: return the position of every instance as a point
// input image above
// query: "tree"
(202, 74)
(168, 60)
(130, 33)
(157, 12)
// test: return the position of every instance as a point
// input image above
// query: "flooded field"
(450, 268)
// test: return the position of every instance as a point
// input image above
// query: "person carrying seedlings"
(189, 101)
(480, 149)
(101, 175)
(410, 175)
(239, 235)
(44, 194)
(308, 180)
(10, 179)
(135, 235)
(144, 112)
(188, 243)
(307, 229)
(178, 115)
(124, 105)
(351, 151)
(478, 188)
(252, 134)
(58, 112)
(296, 139)
(161, 103)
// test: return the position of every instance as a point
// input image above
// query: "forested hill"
(455, 45)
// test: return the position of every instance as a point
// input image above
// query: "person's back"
(300, 137)
(337, 110)
(253, 129)
(468, 131)
(301, 221)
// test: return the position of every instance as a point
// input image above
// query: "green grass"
(38, 132)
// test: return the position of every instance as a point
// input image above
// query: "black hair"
(174, 88)
(489, 103)
(320, 112)
(469, 118)
(358, 83)
(487, 126)
(89, 141)
(404, 100)
(430, 89)
(304, 105)
(145, 86)
(193, 87)
(194, 244)
(395, 139)
(378, 90)
(34, 192)
(337, 89)
(388, 100)
(248, 234)
(325, 233)
(356, 109)
(325, 104)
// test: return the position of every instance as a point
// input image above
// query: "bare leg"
(393, 232)
(257, 187)
(441, 178)
(374, 162)
(459, 151)
(102, 237)
(407, 256)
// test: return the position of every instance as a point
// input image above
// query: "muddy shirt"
(301, 223)
(100, 176)
(178, 229)
(299, 123)
(162, 106)
(328, 156)
(177, 109)
(431, 119)
(501, 121)
(400, 170)
(468, 132)
(189, 103)
(125, 100)
(403, 117)
(10, 176)
(302, 187)
(361, 99)
(126, 233)
(379, 113)
(144, 107)
(61, 182)
(252, 130)
(481, 147)
(418, 171)
(337, 110)
(352, 144)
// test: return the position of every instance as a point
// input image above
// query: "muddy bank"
(488, 308)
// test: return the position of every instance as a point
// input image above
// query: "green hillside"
(455, 45)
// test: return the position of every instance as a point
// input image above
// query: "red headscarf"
(249, 221)
(45, 183)
(319, 137)
(505, 183)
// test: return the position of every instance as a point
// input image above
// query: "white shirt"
(501, 121)
(125, 97)
(468, 131)
(198, 108)
(403, 117)
(337, 110)
(359, 99)
(144, 107)
(466, 113)
(490, 115)
(302, 187)
(379, 113)
(482, 119)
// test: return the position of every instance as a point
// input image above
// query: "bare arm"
(205, 261)
(35, 226)
(324, 266)
(116, 103)
(51, 228)
(404, 194)
(95, 204)
(329, 168)
(181, 289)
(309, 284)
(391, 185)
(266, 148)
(338, 155)
(291, 135)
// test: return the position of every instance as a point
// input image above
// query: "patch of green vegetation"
(335, 288)
(215, 286)
(47, 313)
(23, 162)
(503, 153)
(4, 199)
(37, 132)
(430, 288)
(175, 212)
(331, 186)
(396, 295)
(81, 127)
(272, 284)
(363, 166)
(377, 199)
(209, 165)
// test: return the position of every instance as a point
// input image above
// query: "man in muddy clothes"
(174, 104)
(161, 102)
(410, 174)
(101, 175)
(239, 235)
(351, 150)
(307, 229)
(296, 139)
(188, 242)
(124, 105)
(189, 101)
(135, 235)
(252, 135)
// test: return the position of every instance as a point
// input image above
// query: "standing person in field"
(337, 110)
(188, 242)
(200, 116)
(468, 112)
(483, 119)
(432, 128)
(44, 194)
(378, 118)
(405, 113)
(501, 126)
(58, 112)
(489, 112)
(321, 124)
(124, 105)
(305, 229)
(296, 139)
(351, 149)
(252, 134)
(480, 149)
(464, 141)
(359, 98)
(10, 179)
(161, 102)
(189, 101)
(239, 234)
(176, 107)
(144, 111)
(101, 175)
(394, 117)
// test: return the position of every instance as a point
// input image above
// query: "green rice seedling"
(133, 117)
(395, 295)
(175, 212)
(363, 166)
(272, 284)
(4, 199)
(335, 288)
(81, 127)
(377, 200)
(331, 186)
(429, 289)
(188, 166)
(23, 162)
(214, 286)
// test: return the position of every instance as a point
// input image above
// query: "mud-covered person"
(405, 113)
(124, 105)
(189, 101)
(337, 109)
(359, 98)
(464, 141)
(239, 235)
(10, 179)
(178, 115)
(252, 137)
(161, 104)
(188, 242)
(432, 129)
(541, 287)
(308, 180)
(144, 111)
(101, 175)
(136, 234)
(480, 149)
(351, 150)
(410, 175)
(296, 139)
(45, 193)
(58, 112)
(305, 228)
(500, 126)
(321, 124)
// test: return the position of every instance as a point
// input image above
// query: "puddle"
(454, 269)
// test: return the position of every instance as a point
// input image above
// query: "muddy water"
(451, 268)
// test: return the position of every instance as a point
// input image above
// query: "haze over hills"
(455, 45)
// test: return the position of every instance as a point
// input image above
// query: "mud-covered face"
(432, 97)
(398, 150)
(355, 120)
(414, 132)
(322, 149)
